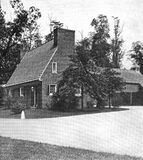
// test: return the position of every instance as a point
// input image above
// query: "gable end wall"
(65, 48)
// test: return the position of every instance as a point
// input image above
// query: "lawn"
(45, 113)
(11, 149)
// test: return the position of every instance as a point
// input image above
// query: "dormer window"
(54, 67)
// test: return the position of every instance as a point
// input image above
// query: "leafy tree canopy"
(116, 44)
(13, 34)
(99, 83)
(53, 25)
(137, 54)
(100, 37)
(90, 67)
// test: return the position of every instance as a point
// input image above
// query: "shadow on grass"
(94, 110)
(45, 113)
(98, 110)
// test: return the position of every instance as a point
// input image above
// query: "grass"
(11, 149)
(45, 113)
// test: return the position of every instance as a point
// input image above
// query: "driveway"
(115, 132)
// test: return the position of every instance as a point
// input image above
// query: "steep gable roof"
(33, 64)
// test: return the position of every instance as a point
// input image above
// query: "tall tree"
(31, 30)
(99, 83)
(11, 33)
(11, 36)
(116, 44)
(100, 46)
(113, 82)
(53, 25)
(74, 77)
(91, 69)
(137, 54)
(31, 38)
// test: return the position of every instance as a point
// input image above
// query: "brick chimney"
(65, 40)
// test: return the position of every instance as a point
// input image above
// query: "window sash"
(78, 92)
(52, 89)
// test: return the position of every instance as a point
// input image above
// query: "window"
(22, 92)
(54, 67)
(10, 92)
(78, 92)
(52, 89)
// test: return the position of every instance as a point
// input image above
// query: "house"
(36, 76)
(132, 93)
(133, 89)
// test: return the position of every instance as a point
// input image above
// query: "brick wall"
(64, 40)
(15, 90)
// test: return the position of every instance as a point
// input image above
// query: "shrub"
(8, 101)
(18, 105)
(90, 104)
(64, 102)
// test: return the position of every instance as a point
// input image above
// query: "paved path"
(115, 132)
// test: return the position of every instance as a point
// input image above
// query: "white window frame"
(51, 94)
(78, 94)
(10, 92)
(54, 70)
(21, 92)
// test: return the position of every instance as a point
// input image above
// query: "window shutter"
(21, 90)
(48, 90)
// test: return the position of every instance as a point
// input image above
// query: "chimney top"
(61, 34)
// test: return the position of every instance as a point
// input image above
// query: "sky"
(78, 14)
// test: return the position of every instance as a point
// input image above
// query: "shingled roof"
(33, 64)
(130, 76)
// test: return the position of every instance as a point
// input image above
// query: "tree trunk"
(82, 97)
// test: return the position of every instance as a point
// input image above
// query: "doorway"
(33, 96)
